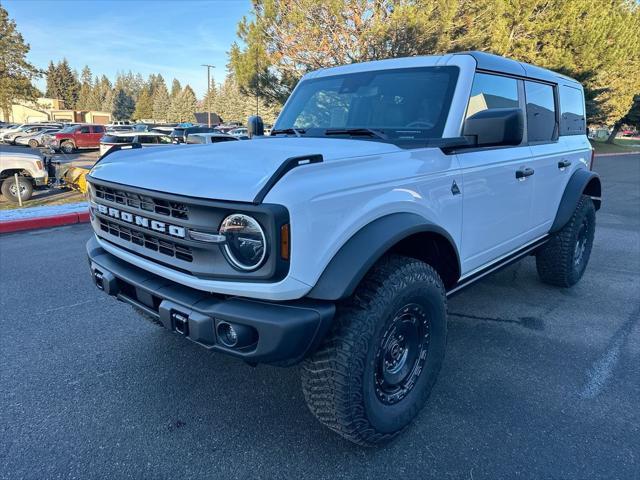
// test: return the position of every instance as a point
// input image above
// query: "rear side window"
(115, 139)
(541, 112)
(221, 139)
(572, 120)
(146, 139)
(492, 91)
(195, 139)
(98, 129)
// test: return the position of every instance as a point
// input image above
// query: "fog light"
(227, 334)
(233, 335)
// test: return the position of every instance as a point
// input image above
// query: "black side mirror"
(496, 126)
(255, 126)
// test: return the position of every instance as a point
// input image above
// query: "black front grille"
(142, 202)
(151, 242)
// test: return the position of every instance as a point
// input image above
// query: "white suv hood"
(225, 171)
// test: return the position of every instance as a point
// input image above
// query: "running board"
(497, 265)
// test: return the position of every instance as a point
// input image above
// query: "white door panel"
(547, 184)
(496, 205)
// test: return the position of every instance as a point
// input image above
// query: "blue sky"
(148, 36)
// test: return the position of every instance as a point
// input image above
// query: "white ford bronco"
(384, 188)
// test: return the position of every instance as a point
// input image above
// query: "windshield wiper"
(298, 132)
(369, 132)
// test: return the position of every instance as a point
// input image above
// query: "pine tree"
(105, 94)
(53, 83)
(144, 105)
(161, 101)
(86, 89)
(68, 84)
(176, 88)
(123, 105)
(16, 72)
(183, 106)
(594, 41)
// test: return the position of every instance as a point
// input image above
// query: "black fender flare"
(581, 182)
(358, 254)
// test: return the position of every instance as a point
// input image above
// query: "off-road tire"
(559, 261)
(33, 143)
(67, 147)
(339, 379)
(9, 189)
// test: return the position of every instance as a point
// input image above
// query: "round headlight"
(245, 242)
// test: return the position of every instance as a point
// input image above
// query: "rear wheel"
(33, 143)
(564, 258)
(375, 370)
(10, 189)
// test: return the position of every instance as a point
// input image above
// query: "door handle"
(523, 173)
(564, 163)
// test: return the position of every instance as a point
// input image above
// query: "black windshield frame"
(447, 76)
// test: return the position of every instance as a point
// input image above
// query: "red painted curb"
(43, 222)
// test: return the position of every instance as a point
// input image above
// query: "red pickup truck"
(77, 136)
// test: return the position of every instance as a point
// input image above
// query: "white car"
(30, 170)
(239, 132)
(208, 138)
(384, 188)
(145, 139)
(36, 139)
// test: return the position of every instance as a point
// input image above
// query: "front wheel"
(67, 147)
(374, 372)
(10, 190)
(564, 258)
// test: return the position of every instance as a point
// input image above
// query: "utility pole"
(209, 67)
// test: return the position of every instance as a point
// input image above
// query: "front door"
(497, 183)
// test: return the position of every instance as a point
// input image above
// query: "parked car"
(384, 188)
(242, 132)
(195, 138)
(146, 139)
(35, 140)
(7, 126)
(75, 137)
(11, 136)
(31, 173)
(179, 134)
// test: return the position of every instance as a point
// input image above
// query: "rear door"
(97, 131)
(496, 203)
(83, 136)
(552, 167)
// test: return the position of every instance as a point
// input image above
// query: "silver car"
(36, 139)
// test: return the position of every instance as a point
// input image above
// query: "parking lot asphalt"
(538, 382)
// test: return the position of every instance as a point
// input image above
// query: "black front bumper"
(284, 332)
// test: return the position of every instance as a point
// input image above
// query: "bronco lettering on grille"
(140, 221)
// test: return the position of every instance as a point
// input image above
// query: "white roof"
(135, 133)
(209, 134)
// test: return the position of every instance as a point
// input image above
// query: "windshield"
(399, 104)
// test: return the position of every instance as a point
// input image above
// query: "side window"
(98, 129)
(84, 130)
(572, 121)
(146, 139)
(541, 112)
(492, 91)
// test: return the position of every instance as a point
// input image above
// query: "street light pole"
(209, 67)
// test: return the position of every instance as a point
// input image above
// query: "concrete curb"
(20, 225)
(617, 154)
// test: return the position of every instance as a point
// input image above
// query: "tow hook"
(180, 322)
